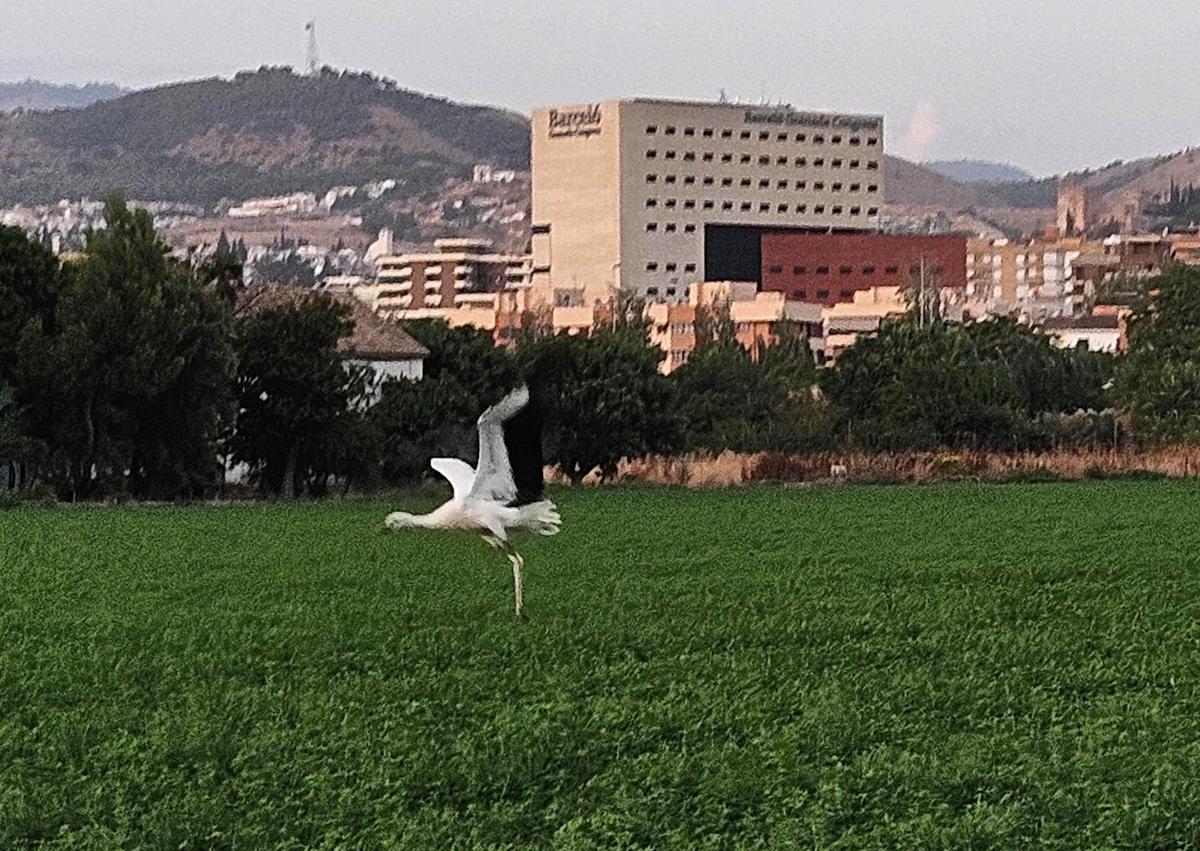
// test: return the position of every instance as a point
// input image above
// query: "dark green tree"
(1158, 380)
(127, 387)
(295, 398)
(29, 275)
(223, 272)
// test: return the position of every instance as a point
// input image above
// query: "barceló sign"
(584, 121)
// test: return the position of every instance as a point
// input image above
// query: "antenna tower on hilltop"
(312, 64)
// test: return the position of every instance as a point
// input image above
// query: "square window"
(799, 293)
(764, 183)
(651, 154)
(764, 160)
(726, 205)
(670, 155)
(689, 131)
(872, 142)
(670, 131)
(708, 181)
(845, 270)
(854, 211)
(822, 270)
(727, 181)
(782, 208)
(837, 187)
(776, 270)
(801, 162)
(652, 178)
(836, 163)
(670, 205)
(726, 134)
(764, 136)
(651, 267)
(651, 202)
(819, 210)
(847, 294)
(651, 226)
(822, 293)
(818, 139)
(689, 180)
(836, 140)
(800, 137)
(670, 178)
(651, 129)
(708, 156)
(671, 267)
(854, 187)
(745, 181)
(801, 208)
(782, 184)
(764, 207)
(690, 228)
(745, 206)
(689, 267)
(745, 134)
(872, 211)
(689, 204)
(868, 270)
(708, 205)
(892, 270)
(782, 137)
(873, 165)
(819, 186)
(708, 133)
(651, 290)
(726, 158)
(854, 163)
(670, 291)
(837, 210)
(872, 188)
(670, 228)
(690, 156)
(745, 158)
(797, 270)
(818, 162)
(855, 141)
(801, 184)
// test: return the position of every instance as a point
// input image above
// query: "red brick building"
(827, 268)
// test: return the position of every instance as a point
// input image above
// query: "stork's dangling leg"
(517, 564)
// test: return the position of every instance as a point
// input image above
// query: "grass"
(912, 667)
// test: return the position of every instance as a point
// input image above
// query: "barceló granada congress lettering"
(584, 121)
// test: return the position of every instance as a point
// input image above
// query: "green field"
(907, 667)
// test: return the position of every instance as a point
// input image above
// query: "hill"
(34, 94)
(264, 132)
(978, 171)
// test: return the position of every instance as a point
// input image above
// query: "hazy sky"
(1044, 84)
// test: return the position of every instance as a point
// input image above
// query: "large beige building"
(648, 196)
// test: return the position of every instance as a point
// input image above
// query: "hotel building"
(649, 196)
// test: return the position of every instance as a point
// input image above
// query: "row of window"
(763, 183)
(820, 295)
(849, 270)
(763, 207)
(764, 135)
(764, 159)
(669, 227)
(652, 266)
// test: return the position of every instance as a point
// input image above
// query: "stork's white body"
(485, 499)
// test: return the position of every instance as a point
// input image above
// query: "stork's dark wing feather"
(523, 440)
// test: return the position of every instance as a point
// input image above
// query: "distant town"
(779, 212)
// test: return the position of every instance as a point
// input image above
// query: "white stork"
(504, 493)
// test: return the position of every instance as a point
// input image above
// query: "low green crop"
(912, 667)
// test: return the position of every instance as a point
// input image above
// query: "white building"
(651, 195)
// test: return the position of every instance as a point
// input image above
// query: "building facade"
(648, 196)
(831, 268)
(458, 274)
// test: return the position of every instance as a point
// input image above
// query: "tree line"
(128, 373)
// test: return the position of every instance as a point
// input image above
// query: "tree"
(1158, 380)
(603, 394)
(295, 398)
(127, 383)
(29, 275)
(223, 272)
(15, 446)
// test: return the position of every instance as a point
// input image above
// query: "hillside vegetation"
(264, 132)
(35, 94)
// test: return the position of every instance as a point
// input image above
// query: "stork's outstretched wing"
(460, 474)
(494, 475)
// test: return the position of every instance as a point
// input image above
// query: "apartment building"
(458, 274)
(1034, 279)
(649, 196)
